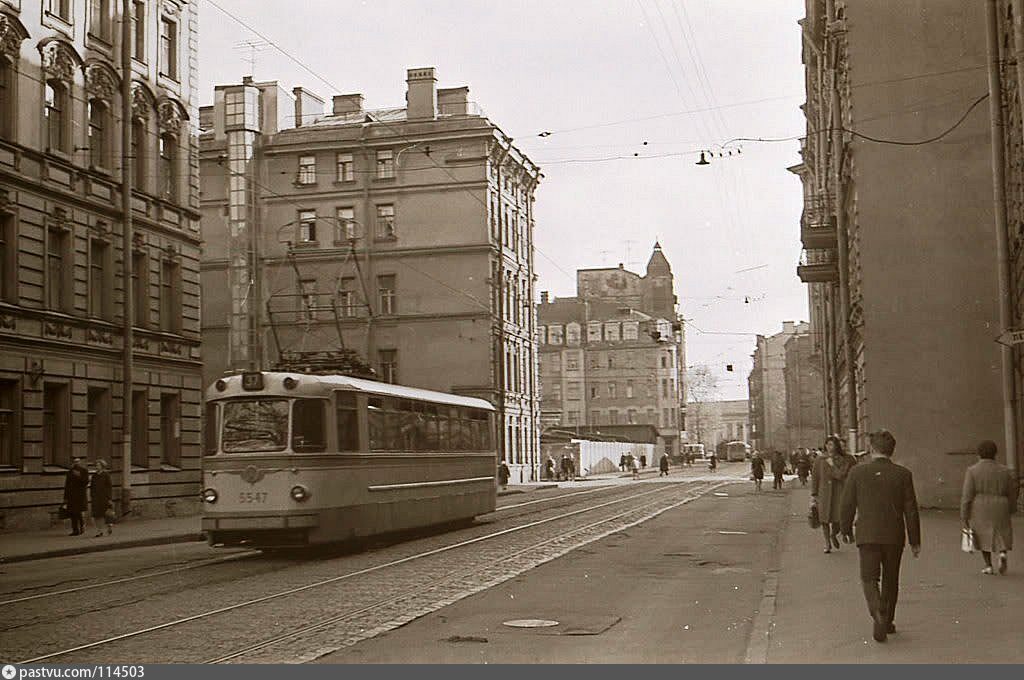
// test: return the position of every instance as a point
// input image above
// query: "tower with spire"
(659, 299)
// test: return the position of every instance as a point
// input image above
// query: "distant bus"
(737, 451)
(693, 451)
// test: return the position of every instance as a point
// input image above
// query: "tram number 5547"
(252, 496)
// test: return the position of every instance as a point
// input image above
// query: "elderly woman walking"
(828, 476)
(100, 492)
(988, 500)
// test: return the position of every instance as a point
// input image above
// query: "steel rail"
(412, 592)
(335, 579)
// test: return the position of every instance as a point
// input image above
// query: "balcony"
(818, 223)
(818, 266)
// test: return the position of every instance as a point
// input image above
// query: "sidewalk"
(130, 533)
(948, 612)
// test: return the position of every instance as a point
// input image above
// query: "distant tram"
(737, 451)
(293, 459)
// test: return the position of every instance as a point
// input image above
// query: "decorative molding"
(59, 219)
(56, 329)
(169, 115)
(170, 9)
(99, 83)
(5, 200)
(59, 60)
(141, 102)
(138, 242)
(172, 252)
(11, 35)
(8, 322)
(101, 228)
(98, 335)
(139, 342)
(170, 347)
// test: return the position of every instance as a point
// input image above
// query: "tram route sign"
(1011, 338)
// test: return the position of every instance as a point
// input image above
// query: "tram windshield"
(254, 425)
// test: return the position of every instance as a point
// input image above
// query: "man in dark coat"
(663, 465)
(76, 485)
(881, 495)
(778, 468)
(503, 474)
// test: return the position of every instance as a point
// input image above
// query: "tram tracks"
(365, 585)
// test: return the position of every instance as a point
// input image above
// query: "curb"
(134, 543)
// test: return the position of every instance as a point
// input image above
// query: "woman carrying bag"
(828, 476)
(989, 498)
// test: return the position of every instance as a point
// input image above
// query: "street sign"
(1010, 338)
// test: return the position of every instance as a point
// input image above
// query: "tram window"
(376, 419)
(254, 425)
(444, 439)
(210, 428)
(308, 433)
(430, 433)
(347, 422)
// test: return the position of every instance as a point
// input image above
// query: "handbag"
(812, 517)
(968, 540)
(110, 517)
(62, 512)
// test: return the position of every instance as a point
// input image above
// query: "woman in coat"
(828, 475)
(100, 492)
(757, 470)
(75, 502)
(988, 500)
(663, 465)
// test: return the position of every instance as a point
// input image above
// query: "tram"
(737, 451)
(295, 459)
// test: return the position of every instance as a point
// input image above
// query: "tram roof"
(344, 382)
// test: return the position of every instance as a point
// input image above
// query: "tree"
(701, 388)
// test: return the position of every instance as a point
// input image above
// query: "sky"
(630, 91)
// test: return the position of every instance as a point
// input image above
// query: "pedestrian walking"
(757, 470)
(880, 494)
(503, 475)
(663, 465)
(778, 468)
(622, 462)
(549, 469)
(635, 467)
(563, 468)
(100, 500)
(572, 468)
(989, 498)
(828, 477)
(643, 461)
(803, 467)
(76, 484)
(712, 461)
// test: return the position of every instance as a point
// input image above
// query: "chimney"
(308, 106)
(544, 297)
(453, 101)
(421, 97)
(347, 103)
(621, 266)
(205, 118)
(788, 327)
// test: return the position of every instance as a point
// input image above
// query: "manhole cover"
(530, 623)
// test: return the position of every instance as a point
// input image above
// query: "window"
(60, 9)
(98, 424)
(347, 227)
(611, 361)
(387, 365)
(629, 390)
(170, 296)
(346, 167)
(100, 293)
(611, 332)
(630, 330)
(613, 388)
(8, 258)
(56, 425)
(308, 432)
(572, 334)
(140, 289)
(307, 288)
(170, 430)
(572, 417)
(664, 362)
(386, 294)
(572, 390)
(347, 297)
(56, 96)
(595, 391)
(555, 335)
(613, 416)
(556, 392)
(140, 428)
(386, 221)
(307, 226)
(347, 420)
(10, 424)
(307, 170)
(652, 417)
(572, 361)
(139, 151)
(595, 418)
(169, 47)
(139, 30)
(98, 135)
(594, 331)
(99, 19)
(58, 269)
(631, 416)
(6, 98)
(385, 164)
(664, 417)
(664, 387)
(168, 168)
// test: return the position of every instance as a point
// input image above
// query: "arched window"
(6, 98)
(139, 155)
(56, 113)
(99, 134)
(168, 167)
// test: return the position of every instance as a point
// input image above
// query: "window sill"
(104, 42)
(299, 185)
(307, 245)
(384, 239)
(167, 467)
(350, 182)
(172, 78)
(9, 470)
(346, 244)
(55, 470)
(384, 179)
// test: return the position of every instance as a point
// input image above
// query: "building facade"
(766, 387)
(404, 234)
(717, 422)
(897, 229)
(805, 412)
(62, 283)
(605, 362)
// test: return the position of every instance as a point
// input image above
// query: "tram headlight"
(209, 495)
(300, 493)
(289, 383)
(221, 385)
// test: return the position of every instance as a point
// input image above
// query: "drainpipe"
(1002, 246)
(127, 309)
(838, 152)
(500, 339)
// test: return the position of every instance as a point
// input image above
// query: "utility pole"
(128, 307)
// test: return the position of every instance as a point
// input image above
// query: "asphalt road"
(683, 587)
